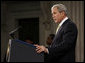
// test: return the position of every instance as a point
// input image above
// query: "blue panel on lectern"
(24, 52)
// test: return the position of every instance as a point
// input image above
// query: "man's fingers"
(39, 48)
(39, 51)
(35, 45)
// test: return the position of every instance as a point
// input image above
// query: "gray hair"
(60, 8)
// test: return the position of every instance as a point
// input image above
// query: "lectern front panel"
(21, 51)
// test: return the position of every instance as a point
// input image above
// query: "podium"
(20, 51)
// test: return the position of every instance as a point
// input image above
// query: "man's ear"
(62, 13)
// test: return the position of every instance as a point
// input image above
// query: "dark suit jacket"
(62, 48)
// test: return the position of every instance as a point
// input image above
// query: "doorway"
(29, 30)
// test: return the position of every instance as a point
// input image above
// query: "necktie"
(57, 28)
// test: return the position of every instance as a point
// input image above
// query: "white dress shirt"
(61, 23)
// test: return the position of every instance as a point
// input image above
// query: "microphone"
(12, 32)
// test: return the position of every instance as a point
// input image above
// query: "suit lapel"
(60, 29)
(62, 26)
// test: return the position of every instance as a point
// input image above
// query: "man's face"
(56, 15)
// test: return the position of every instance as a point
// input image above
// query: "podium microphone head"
(12, 32)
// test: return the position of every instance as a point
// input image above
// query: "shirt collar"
(63, 21)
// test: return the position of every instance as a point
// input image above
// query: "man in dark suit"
(62, 48)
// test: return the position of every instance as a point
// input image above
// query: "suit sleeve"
(69, 36)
